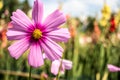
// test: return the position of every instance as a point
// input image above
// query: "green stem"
(7, 66)
(30, 73)
(57, 77)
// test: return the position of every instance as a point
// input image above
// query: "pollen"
(37, 34)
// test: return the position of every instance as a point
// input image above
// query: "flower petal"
(44, 56)
(35, 57)
(59, 35)
(15, 35)
(21, 20)
(52, 50)
(67, 64)
(113, 68)
(54, 20)
(55, 67)
(16, 27)
(21, 23)
(62, 69)
(21, 15)
(19, 47)
(37, 12)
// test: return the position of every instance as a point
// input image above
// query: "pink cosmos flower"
(113, 68)
(36, 35)
(66, 64)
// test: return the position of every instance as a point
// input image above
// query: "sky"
(78, 8)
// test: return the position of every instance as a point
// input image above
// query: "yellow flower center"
(37, 34)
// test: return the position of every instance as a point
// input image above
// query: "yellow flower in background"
(103, 22)
(117, 18)
(106, 13)
(1, 4)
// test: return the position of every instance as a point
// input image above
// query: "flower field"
(60, 46)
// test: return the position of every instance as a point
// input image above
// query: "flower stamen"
(37, 34)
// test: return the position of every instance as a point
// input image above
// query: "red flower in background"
(3, 30)
(112, 24)
(3, 38)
